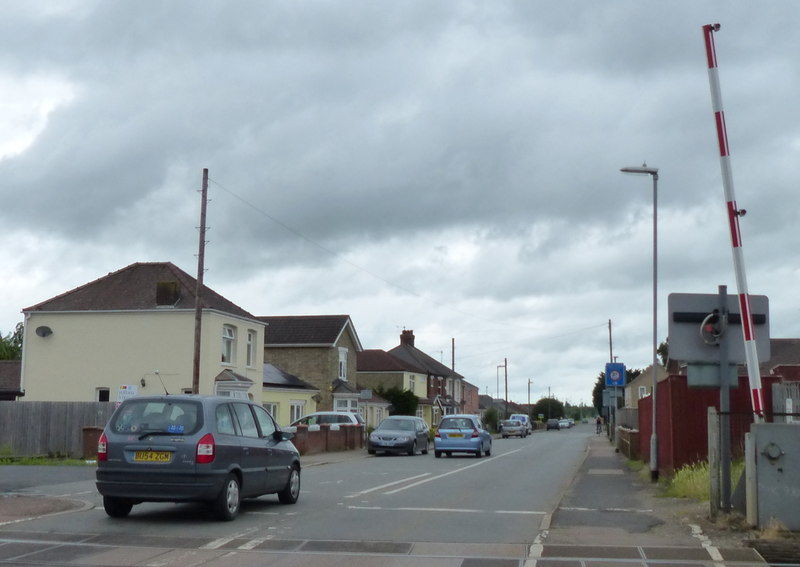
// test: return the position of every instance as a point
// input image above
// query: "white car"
(332, 418)
(526, 421)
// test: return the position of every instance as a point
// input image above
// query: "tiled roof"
(10, 375)
(377, 360)
(307, 330)
(274, 377)
(413, 355)
(134, 288)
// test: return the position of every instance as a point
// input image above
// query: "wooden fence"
(29, 429)
(71, 429)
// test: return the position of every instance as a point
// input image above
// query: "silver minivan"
(189, 448)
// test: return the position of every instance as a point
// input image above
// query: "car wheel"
(425, 450)
(291, 492)
(478, 453)
(437, 454)
(489, 450)
(413, 449)
(371, 451)
(229, 499)
(117, 507)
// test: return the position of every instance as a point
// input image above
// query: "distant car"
(513, 428)
(332, 418)
(553, 424)
(461, 434)
(564, 424)
(185, 448)
(526, 421)
(400, 434)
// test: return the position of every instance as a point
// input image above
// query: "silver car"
(512, 428)
(185, 448)
(400, 434)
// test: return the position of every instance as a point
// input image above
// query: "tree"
(491, 418)
(11, 344)
(404, 402)
(548, 407)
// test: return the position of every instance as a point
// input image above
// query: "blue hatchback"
(462, 434)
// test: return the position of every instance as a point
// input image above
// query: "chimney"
(407, 338)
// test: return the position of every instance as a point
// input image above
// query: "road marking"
(483, 462)
(578, 509)
(396, 482)
(448, 510)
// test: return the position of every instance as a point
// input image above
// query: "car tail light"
(102, 448)
(439, 435)
(206, 449)
(475, 433)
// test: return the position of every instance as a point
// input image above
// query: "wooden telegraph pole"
(198, 299)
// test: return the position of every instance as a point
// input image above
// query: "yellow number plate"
(455, 435)
(151, 456)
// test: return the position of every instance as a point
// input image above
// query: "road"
(357, 510)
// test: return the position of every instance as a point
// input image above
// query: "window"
(246, 420)
(296, 410)
(228, 344)
(251, 348)
(272, 409)
(224, 420)
(264, 421)
(343, 364)
(412, 383)
(102, 394)
(642, 392)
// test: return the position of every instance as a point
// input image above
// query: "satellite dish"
(44, 331)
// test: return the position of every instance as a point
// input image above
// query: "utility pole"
(505, 367)
(198, 300)
(610, 345)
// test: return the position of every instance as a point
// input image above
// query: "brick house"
(445, 387)
(319, 349)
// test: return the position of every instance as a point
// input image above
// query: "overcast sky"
(447, 167)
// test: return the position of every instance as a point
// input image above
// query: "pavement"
(608, 516)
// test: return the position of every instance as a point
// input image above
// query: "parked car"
(564, 424)
(332, 418)
(461, 434)
(553, 424)
(400, 434)
(513, 428)
(185, 448)
(526, 421)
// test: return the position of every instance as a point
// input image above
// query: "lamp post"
(653, 172)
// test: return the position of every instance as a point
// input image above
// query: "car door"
(278, 453)
(422, 434)
(254, 451)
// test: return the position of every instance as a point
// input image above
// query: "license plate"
(151, 456)
(455, 435)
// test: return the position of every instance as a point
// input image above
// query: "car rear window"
(456, 423)
(138, 416)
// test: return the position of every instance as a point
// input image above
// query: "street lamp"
(653, 172)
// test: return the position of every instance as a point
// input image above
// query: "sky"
(451, 168)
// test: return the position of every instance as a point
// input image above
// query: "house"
(472, 399)
(321, 350)
(10, 376)
(377, 368)
(445, 387)
(371, 406)
(133, 332)
(642, 386)
(285, 396)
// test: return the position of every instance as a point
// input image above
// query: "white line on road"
(483, 462)
(401, 481)
(447, 510)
